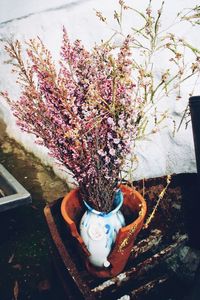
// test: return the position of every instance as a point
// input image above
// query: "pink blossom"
(110, 121)
(107, 159)
(101, 152)
(116, 141)
(112, 151)
(75, 112)
(110, 137)
(121, 123)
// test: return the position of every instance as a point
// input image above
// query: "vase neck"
(118, 201)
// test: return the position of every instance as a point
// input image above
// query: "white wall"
(159, 154)
(16, 9)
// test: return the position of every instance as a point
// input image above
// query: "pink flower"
(107, 159)
(121, 123)
(112, 151)
(110, 137)
(116, 141)
(101, 152)
(110, 121)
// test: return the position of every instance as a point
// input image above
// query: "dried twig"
(2, 194)
(152, 215)
(16, 290)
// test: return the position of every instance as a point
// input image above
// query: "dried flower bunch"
(88, 110)
(162, 60)
(86, 114)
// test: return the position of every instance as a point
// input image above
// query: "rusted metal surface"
(140, 270)
(144, 289)
(143, 246)
(145, 270)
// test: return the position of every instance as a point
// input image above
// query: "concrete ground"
(26, 271)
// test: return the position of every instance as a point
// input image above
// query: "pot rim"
(123, 229)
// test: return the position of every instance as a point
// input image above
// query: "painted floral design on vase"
(99, 230)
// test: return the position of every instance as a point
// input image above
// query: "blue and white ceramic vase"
(99, 230)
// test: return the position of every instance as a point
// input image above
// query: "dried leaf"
(11, 258)
(34, 207)
(16, 290)
(17, 266)
(44, 285)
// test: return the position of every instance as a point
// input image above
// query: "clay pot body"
(134, 204)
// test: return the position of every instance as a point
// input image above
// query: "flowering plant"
(86, 114)
(90, 110)
(163, 61)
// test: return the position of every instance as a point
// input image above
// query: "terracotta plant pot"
(134, 205)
